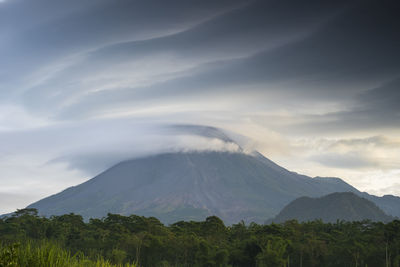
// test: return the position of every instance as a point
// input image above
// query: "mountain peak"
(189, 186)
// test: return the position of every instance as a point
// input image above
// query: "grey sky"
(313, 85)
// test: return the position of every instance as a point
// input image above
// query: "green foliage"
(273, 254)
(47, 254)
(30, 240)
(9, 256)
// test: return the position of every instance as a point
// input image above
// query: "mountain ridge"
(191, 186)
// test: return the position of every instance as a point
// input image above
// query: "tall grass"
(47, 255)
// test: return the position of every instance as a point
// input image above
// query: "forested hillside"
(330, 208)
(147, 242)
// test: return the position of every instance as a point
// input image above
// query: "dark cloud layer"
(40, 38)
(77, 60)
(373, 109)
(317, 51)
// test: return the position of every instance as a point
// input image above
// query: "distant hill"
(345, 206)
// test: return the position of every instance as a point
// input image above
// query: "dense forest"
(30, 240)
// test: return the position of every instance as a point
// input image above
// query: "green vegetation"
(47, 254)
(30, 240)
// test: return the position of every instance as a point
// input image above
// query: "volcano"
(194, 185)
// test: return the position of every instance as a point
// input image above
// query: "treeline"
(147, 242)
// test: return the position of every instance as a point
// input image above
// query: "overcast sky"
(313, 85)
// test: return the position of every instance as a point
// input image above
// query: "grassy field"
(46, 254)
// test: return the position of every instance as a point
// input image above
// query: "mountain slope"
(337, 206)
(191, 186)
